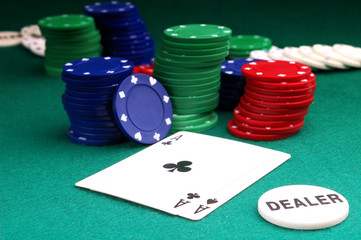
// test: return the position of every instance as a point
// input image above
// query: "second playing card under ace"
(187, 174)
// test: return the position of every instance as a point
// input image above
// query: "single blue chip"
(89, 95)
(99, 136)
(87, 101)
(146, 52)
(128, 37)
(143, 109)
(124, 49)
(89, 113)
(95, 83)
(108, 89)
(108, 19)
(85, 141)
(135, 25)
(111, 8)
(92, 119)
(92, 124)
(76, 106)
(234, 67)
(97, 68)
(96, 130)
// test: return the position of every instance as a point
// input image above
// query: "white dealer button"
(303, 207)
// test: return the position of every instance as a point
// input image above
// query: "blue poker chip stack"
(123, 32)
(88, 98)
(232, 82)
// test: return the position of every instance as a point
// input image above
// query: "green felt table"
(39, 165)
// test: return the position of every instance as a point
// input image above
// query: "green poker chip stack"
(189, 66)
(242, 45)
(68, 37)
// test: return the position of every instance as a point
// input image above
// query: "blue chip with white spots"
(111, 8)
(143, 109)
(234, 67)
(98, 68)
(91, 142)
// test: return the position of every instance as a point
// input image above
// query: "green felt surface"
(39, 165)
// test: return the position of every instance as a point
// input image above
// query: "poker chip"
(270, 130)
(303, 207)
(195, 52)
(195, 33)
(276, 99)
(235, 131)
(68, 37)
(318, 57)
(188, 66)
(110, 9)
(124, 34)
(348, 51)
(232, 82)
(308, 52)
(97, 68)
(9, 38)
(199, 124)
(257, 123)
(328, 52)
(193, 90)
(31, 30)
(300, 84)
(260, 54)
(143, 109)
(88, 99)
(243, 103)
(90, 142)
(280, 99)
(146, 69)
(276, 71)
(191, 45)
(259, 115)
(276, 53)
(242, 45)
(283, 92)
(294, 54)
(37, 47)
(276, 104)
(33, 40)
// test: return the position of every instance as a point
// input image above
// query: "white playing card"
(180, 174)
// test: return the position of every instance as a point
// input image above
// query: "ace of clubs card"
(187, 174)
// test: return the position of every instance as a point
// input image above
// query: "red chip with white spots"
(273, 117)
(282, 92)
(276, 71)
(235, 131)
(258, 123)
(270, 111)
(291, 105)
(299, 84)
(270, 98)
(268, 130)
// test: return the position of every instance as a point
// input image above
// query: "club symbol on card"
(192, 195)
(211, 201)
(180, 166)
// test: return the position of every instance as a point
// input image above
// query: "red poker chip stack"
(275, 101)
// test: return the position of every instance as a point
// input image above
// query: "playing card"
(187, 174)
